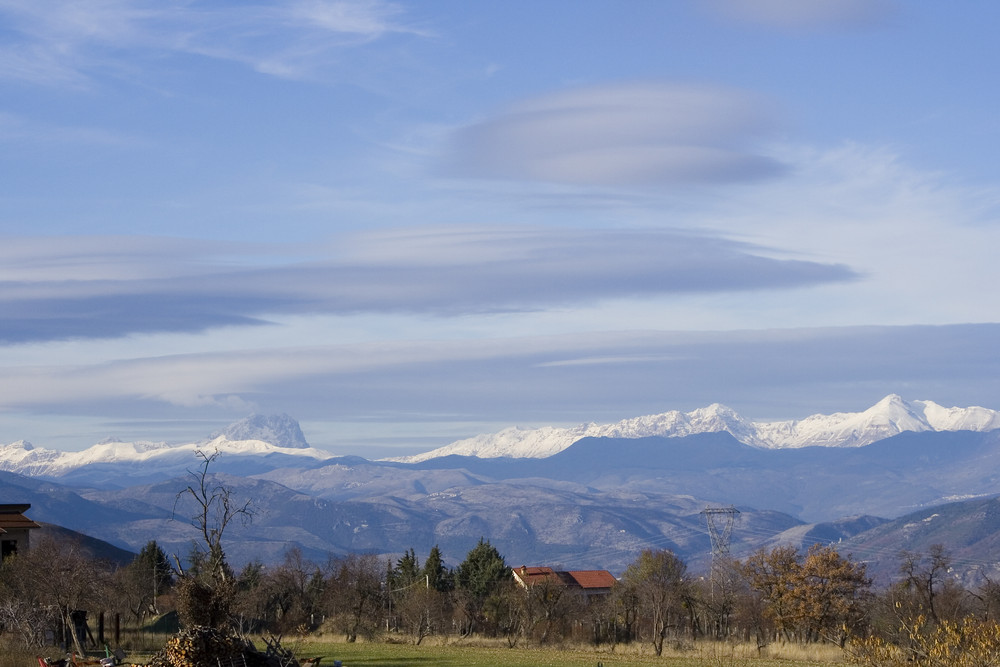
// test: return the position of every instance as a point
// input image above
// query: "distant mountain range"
(594, 501)
(260, 443)
(890, 416)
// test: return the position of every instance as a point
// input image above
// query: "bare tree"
(139, 584)
(550, 603)
(24, 610)
(354, 594)
(930, 586)
(658, 579)
(420, 611)
(506, 610)
(50, 581)
(215, 508)
(206, 591)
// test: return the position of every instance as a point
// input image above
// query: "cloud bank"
(570, 378)
(113, 286)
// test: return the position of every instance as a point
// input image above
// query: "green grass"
(452, 652)
(705, 654)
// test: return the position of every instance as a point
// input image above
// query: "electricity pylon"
(720, 522)
(720, 538)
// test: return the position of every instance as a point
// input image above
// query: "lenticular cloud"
(630, 134)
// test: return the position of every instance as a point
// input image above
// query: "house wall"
(13, 541)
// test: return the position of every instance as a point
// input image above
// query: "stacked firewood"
(202, 646)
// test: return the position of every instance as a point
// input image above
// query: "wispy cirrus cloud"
(67, 42)
(622, 134)
(106, 287)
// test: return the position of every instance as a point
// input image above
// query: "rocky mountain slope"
(969, 531)
(278, 430)
(568, 525)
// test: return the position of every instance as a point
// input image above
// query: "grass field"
(706, 654)
(482, 653)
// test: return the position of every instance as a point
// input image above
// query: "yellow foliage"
(968, 643)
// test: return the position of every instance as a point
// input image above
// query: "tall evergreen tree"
(482, 569)
(407, 571)
(438, 576)
(153, 560)
(477, 578)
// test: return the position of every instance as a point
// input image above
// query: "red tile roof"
(586, 579)
(592, 578)
(530, 576)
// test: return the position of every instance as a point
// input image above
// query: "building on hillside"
(15, 529)
(590, 583)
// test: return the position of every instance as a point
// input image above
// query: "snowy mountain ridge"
(254, 437)
(890, 416)
(261, 443)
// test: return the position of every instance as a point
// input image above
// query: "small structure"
(15, 529)
(589, 583)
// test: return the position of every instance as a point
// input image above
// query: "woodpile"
(202, 646)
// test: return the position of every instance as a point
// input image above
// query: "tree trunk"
(71, 626)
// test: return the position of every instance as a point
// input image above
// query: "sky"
(406, 223)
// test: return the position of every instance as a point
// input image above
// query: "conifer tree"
(477, 578)
(438, 576)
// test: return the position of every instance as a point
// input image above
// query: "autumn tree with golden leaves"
(816, 596)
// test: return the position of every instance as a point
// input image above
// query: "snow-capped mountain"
(242, 446)
(890, 416)
(261, 443)
(517, 442)
(278, 430)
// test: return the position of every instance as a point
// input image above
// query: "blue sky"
(408, 223)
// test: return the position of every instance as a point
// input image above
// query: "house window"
(7, 548)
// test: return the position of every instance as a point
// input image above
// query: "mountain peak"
(891, 402)
(279, 430)
(20, 445)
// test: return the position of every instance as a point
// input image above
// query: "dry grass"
(445, 653)
(721, 653)
(807, 653)
(13, 656)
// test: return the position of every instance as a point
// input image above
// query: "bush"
(967, 643)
